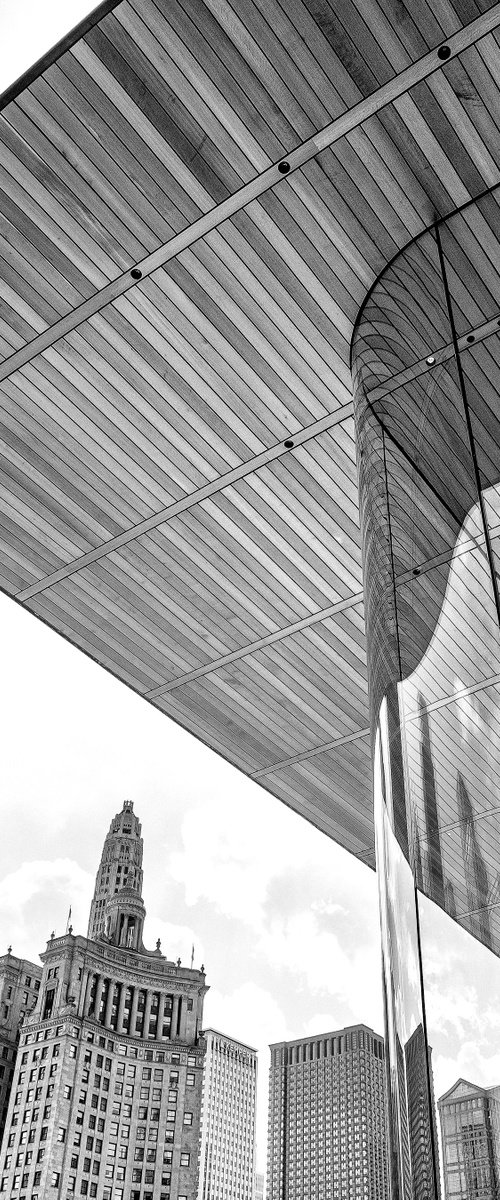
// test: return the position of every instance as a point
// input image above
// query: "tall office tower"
(470, 1136)
(227, 1145)
(106, 1096)
(421, 1115)
(259, 1186)
(19, 987)
(327, 1118)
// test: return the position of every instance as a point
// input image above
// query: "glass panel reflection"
(430, 489)
(463, 645)
(453, 757)
(413, 1136)
(462, 987)
(481, 373)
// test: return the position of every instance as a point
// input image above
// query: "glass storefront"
(426, 369)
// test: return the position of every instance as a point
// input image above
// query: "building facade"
(259, 1186)
(327, 1118)
(106, 1095)
(470, 1127)
(227, 1144)
(19, 988)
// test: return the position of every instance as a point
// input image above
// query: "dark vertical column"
(133, 1010)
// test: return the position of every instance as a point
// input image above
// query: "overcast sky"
(285, 921)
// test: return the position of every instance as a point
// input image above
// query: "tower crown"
(120, 868)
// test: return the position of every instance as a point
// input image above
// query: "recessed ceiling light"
(444, 52)
(283, 168)
(430, 360)
(136, 273)
(471, 337)
(288, 444)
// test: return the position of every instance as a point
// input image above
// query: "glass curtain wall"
(426, 371)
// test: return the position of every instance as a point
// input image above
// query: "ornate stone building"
(106, 1095)
(19, 987)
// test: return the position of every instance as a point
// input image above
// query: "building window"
(185, 1159)
(188, 1120)
(54, 1179)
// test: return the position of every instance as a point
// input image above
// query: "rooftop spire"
(120, 868)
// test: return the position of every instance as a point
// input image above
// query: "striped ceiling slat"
(151, 510)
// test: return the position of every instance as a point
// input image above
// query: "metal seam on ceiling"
(416, 73)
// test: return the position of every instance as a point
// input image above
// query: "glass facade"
(426, 369)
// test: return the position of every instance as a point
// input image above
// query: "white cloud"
(348, 973)
(310, 907)
(176, 941)
(229, 854)
(36, 898)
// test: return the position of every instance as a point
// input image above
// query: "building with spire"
(106, 1096)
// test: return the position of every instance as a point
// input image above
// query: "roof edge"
(60, 48)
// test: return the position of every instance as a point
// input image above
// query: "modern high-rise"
(327, 1118)
(259, 1186)
(106, 1096)
(227, 1144)
(470, 1135)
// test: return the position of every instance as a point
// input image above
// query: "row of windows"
(107, 1043)
(43, 1035)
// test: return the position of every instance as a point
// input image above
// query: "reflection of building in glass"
(476, 875)
(327, 1117)
(470, 1127)
(106, 1095)
(403, 1182)
(434, 883)
(227, 1144)
(429, 442)
(421, 1116)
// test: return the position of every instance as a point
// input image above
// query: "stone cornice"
(125, 965)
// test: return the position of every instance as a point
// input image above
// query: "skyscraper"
(19, 987)
(227, 1155)
(470, 1129)
(327, 1118)
(106, 1094)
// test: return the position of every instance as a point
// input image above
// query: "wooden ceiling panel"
(345, 772)
(256, 165)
